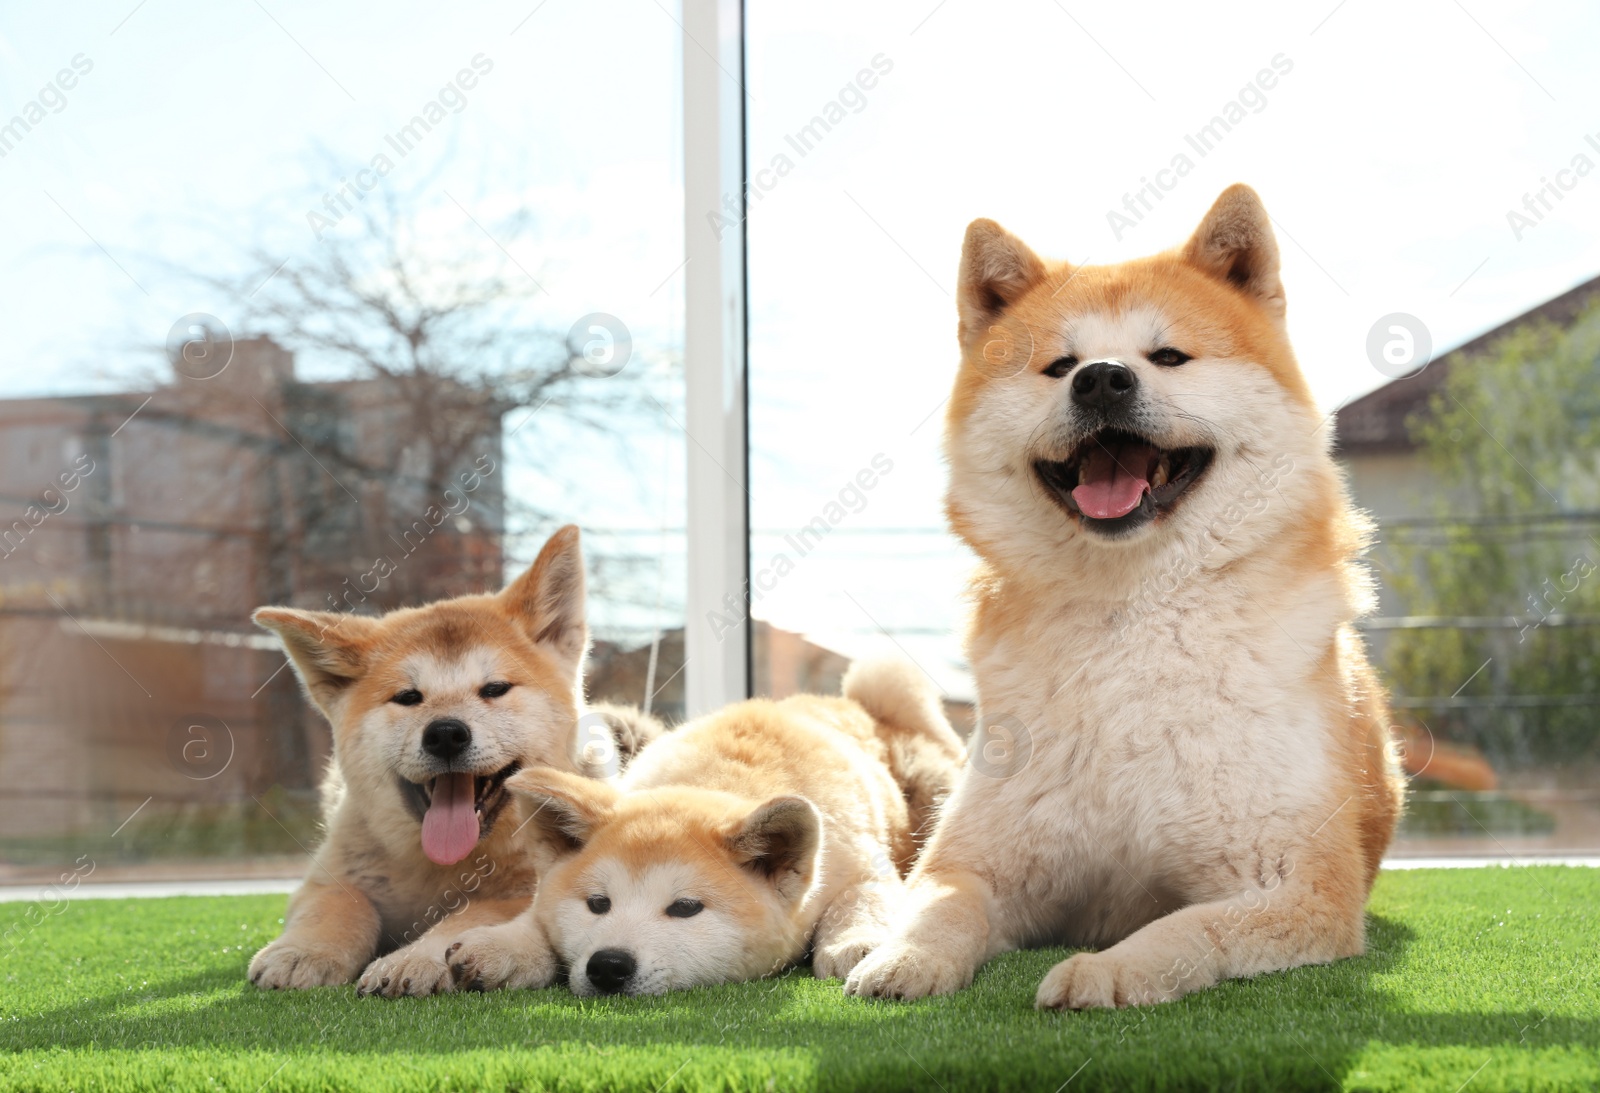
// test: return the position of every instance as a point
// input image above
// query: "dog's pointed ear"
(328, 649)
(548, 600)
(1234, 243)
(996, 269)
(780, 841)
(564, 809)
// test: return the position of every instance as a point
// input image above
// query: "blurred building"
(137, 533)
(1373, 437)
(1501, 759)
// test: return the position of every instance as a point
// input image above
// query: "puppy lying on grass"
(433, 709)
(729, 846)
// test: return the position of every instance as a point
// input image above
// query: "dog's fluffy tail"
(631, 729)
(923, 751)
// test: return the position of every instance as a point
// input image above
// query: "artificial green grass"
(1485, 978)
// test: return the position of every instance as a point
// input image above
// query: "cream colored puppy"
(729, 846)
(1183, 758)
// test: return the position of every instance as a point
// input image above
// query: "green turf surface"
(1484, 978)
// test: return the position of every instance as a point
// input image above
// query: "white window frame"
(717, 646)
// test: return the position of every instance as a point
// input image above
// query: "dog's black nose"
(610, 969)
(446, 738)
(1103, 384)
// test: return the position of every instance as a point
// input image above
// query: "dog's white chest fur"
(1159, 750)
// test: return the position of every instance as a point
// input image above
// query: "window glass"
(335, 312)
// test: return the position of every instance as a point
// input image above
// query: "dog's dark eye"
(1169, 357)
(493, 690)
(599, 904)
(408, 697)
(1061, 367)
(685, 908)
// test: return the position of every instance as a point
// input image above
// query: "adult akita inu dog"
(432, 709)
(729, 845)
(1201, 781)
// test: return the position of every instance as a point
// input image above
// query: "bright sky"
(1388, 154)
(1389, 150)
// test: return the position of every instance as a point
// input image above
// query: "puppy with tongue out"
(1165, 609)
(432, 709)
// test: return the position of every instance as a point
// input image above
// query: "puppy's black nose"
(610, 969)
(446, 738)
(1103, 384)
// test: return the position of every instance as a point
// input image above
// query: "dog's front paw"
(839, 957)
(507, 955)
(902, 970)
(1101, 980)
(292, 965)
(417, 969)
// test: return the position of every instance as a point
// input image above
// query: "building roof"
(1376, 422)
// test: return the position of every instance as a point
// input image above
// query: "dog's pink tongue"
(450, 829)
(1112, 482)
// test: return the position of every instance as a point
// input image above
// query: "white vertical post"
(716, 627)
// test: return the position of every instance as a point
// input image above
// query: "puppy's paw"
(508, 955)
(839, 956)
(292, 965)
(1101, 980)
(905, 971)
(417, 969)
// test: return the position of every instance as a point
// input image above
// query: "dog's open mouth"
(1117, 481)
(457, 810)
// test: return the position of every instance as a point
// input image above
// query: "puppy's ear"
(564, 810)
(328, 649)
(548, 600)
(780, 841)
(1234, 243)
(996, 269)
